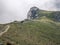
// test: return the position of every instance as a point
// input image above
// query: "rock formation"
(33, 13)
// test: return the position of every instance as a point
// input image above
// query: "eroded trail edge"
(8, 26)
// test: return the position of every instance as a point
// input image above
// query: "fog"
(11, 10)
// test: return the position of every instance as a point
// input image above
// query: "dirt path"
(8, 26)
(36, 20)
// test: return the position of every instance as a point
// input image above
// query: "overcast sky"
(11, 10)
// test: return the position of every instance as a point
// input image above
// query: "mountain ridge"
(35, 12)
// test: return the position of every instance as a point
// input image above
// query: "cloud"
(57, 4)
(11, 10)
(52, 5)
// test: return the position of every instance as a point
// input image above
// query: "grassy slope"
(53, 15)
(33, 33)
(42, 31)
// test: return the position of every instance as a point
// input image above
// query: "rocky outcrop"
(33, 13)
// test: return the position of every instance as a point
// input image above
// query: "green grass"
(33, 33)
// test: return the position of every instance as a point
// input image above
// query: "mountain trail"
(8, 26)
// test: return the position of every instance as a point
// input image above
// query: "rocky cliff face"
(33, 13)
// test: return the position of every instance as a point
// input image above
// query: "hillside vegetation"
(33, 33)
(41, 28)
